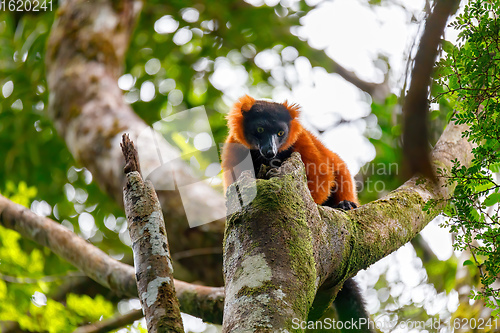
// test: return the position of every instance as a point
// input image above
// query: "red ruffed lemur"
(272, 132)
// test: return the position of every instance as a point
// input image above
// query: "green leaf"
(468, 263)
(492, 199)
(495, 167)
(89, 308)
(482, 187)
(396, 130)
(448, 47)
(434, 114)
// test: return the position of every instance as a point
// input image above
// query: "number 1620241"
(26, 5)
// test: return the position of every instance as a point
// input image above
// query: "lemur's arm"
(233, 154)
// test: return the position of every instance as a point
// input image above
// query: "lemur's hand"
(346, 205)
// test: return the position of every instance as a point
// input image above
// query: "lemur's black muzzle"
(269, 149)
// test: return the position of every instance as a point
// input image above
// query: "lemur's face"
(266, 127)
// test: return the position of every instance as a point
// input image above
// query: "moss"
(301, 254)
(171, 321)
(266, 288)
(268, 197)
(74, 111)
(287, 238)
(392, 208)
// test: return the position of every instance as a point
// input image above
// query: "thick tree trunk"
(269, 265)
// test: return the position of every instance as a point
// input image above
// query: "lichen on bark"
(269, 261)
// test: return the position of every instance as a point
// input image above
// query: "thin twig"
(111, 324)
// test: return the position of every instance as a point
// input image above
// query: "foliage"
(469, 77)
(192, 39)
(27, 274)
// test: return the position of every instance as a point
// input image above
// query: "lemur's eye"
(281, 133)
(260, 130)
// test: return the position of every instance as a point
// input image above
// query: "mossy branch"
(296, 241)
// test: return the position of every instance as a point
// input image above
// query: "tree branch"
(111, 324)
(200, 301)
(269, 265)
(415, 108)
(152, 261)
(378, 91)
(268, 242)
(386, 224)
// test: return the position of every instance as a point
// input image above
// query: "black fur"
(272, 118)
(350, 307)
(259, 160)
(349, 302)
(344, 205)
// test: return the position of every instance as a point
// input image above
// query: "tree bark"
(281, 249)
(416, 105)
(152, 261)
(269, 265)
(341, 243)
(85, 55)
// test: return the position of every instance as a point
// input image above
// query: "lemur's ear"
(245, 103)
(293, 109)
(295, 128)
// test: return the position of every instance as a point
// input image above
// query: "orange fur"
(326, 172)
(235, 120)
